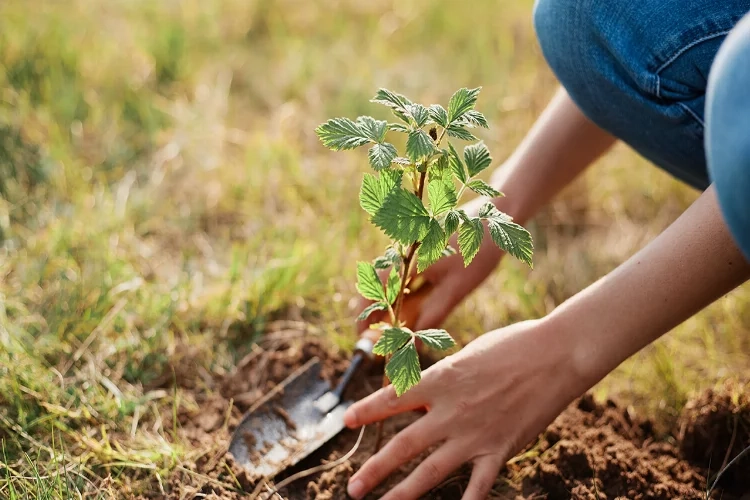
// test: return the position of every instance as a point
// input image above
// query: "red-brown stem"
(405, 273)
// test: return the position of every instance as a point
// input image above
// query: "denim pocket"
(683, 58)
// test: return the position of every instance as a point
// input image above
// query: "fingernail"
(356, 489)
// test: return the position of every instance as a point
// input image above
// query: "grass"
(163, 198)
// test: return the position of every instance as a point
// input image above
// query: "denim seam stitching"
(682, 51)
(692, 113)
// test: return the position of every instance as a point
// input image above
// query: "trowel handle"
(357, 359)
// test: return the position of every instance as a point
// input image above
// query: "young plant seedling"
(394, 199)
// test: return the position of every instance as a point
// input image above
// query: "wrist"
(583, 363)
(553, 348)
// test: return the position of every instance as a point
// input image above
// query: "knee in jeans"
(554, 24)
(569, 33)
(607, 43)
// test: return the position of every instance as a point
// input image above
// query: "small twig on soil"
(319, 468)
(103, 325)
(287, 334)
(731, 444)
(273, 492)
(257, 489)
(255, 352)
(722, 471)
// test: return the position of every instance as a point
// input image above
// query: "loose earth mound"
(592, 450)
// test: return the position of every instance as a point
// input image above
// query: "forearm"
(560, 145)
(691, 264)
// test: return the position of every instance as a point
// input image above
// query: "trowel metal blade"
(286, 426)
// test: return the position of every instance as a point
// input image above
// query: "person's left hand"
(484, 403)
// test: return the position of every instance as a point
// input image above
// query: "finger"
(430, 473)
(482, 479)
(384, 403)
(403, 447)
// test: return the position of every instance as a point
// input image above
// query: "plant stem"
(390, 309)
(461, 191)
(404, 276)
(440, 137)
(405, 273)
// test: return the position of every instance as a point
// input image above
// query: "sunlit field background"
(164, 201)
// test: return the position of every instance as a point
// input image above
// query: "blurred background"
(164, 201)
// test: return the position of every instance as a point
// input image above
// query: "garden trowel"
(303, 412)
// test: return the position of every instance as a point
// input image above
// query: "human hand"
(484, 404)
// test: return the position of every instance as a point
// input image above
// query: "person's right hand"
(447, 283)
(484, 404)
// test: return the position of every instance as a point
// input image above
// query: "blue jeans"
(671, 78)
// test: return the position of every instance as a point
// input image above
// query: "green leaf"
(509, 236)
(477, 158)
(463, 215)
(431, 247)
(368, 283)
(393, 285)
(341, 133)
(375, 306)
(390, 99)
(381, 155)
(481, 187)
(403, 217)
(442, 196)
(459, 132)
(419, 113)
(391, 178)
(439, 115)
(462, 101)
(451, 223)
(418, 145)
(396, 102)
(398, 127)
(473, 118)
(372, 128)
(487, 210)
(391, 341)
(403, 369)
(391, 258)
(439, 170)
(375, 189)
(470, 238)
(457, 165)
(436, 338)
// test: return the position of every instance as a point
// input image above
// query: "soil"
(593, 450)
(715, 429)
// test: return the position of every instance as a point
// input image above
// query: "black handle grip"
(357, 360)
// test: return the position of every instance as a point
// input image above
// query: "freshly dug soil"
(592, 450)
(714, 429)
